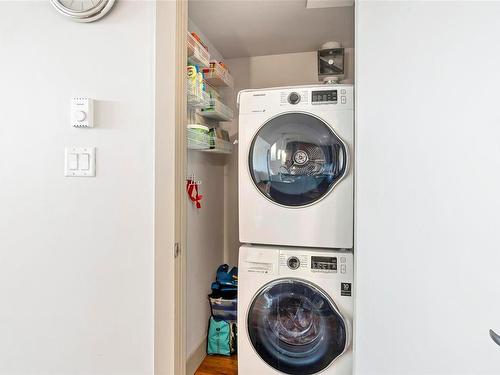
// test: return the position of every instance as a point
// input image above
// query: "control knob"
(293, 98)
(80, 116)
(293, 263)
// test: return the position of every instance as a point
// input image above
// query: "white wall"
(288, 69)
(205, 243)
(427, 236)
(76, 254)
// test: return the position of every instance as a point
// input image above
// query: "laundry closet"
(234, 46)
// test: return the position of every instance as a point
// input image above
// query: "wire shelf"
(220, 147)
(217, 76)
(197, 54)
(197, 140)
(217, 111)
(207, 143)
(196, 98)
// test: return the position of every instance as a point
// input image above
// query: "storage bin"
(196, 97)
(217, 76)
(225, 309)
(197, 54)
(198, 137)
(217, 111)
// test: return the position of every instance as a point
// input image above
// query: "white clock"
(83, 10)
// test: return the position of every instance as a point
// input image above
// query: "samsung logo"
(259, 94)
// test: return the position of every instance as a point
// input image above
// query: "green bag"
(221, 337)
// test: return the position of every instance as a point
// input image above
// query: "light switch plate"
(82, 112)
(79, 161)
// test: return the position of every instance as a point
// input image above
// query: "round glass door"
(296, 159)
(295, 328)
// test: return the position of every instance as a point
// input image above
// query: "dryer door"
(296, 159)
(295, 327)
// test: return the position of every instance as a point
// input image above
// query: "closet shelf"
(197, 140)
(207, 143)
(197, 98)
(221, 147)
(217, 111)
(197, 54)
(217, 76)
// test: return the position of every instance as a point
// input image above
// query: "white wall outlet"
(82, 112)
(79, 161)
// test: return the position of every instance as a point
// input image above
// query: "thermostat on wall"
(82, 112)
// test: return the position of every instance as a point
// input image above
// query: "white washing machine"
(295, 166)
(295, 309)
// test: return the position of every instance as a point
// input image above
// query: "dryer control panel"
(294, 97)
(299, 98)
(324, 96)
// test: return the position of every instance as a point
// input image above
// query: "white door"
(428, 188)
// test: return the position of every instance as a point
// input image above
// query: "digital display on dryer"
(324, 263)
(324, 96)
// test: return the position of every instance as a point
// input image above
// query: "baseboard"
(195, 359)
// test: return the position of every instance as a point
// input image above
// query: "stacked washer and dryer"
(295, 302)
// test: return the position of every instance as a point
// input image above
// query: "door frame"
(170, 110)
(180, 256)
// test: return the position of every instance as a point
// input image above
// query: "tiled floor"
(218, 365)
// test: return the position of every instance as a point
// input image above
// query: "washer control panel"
(293, 263)
(329, 264)
(323, 263)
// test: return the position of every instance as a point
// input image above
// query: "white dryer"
(295, 166)
(295, 309)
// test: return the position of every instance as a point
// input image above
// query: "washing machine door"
(296, 159)
(295, 327)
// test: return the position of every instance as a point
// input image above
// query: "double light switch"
(79, 162)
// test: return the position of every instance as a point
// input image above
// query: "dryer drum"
(303, 159)
(295, 328)
(296, 159)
